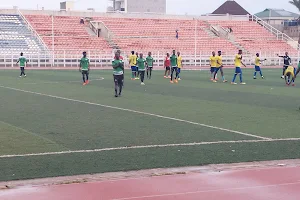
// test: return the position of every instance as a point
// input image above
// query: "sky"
(179, 7)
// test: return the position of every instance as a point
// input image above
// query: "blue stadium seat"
(15, 37)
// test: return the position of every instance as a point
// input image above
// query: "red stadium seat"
(156, 35)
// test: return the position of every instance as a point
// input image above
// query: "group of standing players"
(289, 73)
(173, 65)
(139, 66)
(216, 65)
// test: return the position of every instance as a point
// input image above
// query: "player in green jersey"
(149, 62)
(118, 72)
(84, 68)
(23, 61)
(137, 67)
(174, 66)
(298, 69)
(141, 65)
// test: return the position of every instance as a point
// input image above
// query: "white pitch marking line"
(147, 146)
(214, 190)
(139, 112)
(57, 82)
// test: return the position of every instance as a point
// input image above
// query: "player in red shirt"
(167, 65)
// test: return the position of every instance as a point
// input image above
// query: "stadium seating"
(254, 37)
(156, 34)
(69, 33)
(15, 37)
(140, 34)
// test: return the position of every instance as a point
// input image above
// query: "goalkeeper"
(118, 72)
(84, 68)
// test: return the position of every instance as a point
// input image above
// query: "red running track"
(280, 183)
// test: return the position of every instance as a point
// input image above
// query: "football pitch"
(51, 125)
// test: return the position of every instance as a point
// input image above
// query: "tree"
(296, 3)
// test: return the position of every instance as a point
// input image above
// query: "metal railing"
(100, 59)
(274, 31)
(33, 30)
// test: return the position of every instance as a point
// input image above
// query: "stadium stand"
(159, 34)
(255, 38)
(140, 34)
(69, 34)
(15, 37)
(156, 35)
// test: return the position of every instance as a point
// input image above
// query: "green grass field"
(51, 112)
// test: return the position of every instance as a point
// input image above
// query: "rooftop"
(231, 7)
(270, 12)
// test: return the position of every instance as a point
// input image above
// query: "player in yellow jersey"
(219, 67)
(238, 63)
(257, 63)
(288, 74)
(132, 63)
(213, 65)
(179, 64)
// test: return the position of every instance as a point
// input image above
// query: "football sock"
(241, 77)
(254, 73)
(260, 73)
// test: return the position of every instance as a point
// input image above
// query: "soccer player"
(84, 68)
(121, 58)
(219, 67)
(167, 64)
(137, 67)
(149, 61)
(132, 63)
(213, 65)
(118, 73)
(119, 52)
(238, 63)
(173, 59)
(257, 66)
(286, 62)
(141, 66)
(290, 73)
(179, 64)
(23, 61)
